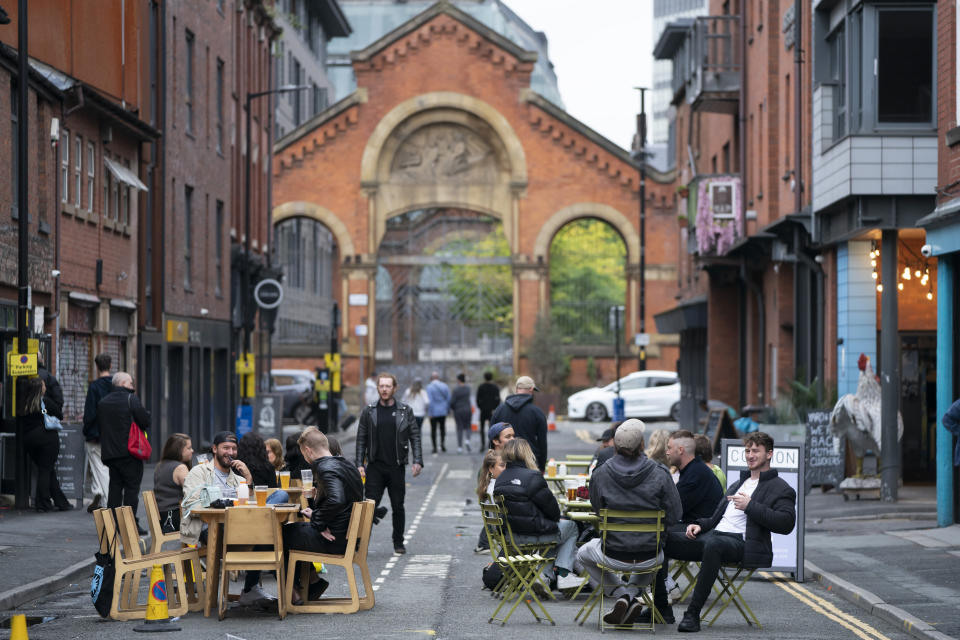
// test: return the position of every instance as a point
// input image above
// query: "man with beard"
(224, 472)
(385, 434)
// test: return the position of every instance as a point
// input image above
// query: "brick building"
(205, 57)
(942, 227)
(93, 201)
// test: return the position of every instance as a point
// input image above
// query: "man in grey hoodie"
(629, 481)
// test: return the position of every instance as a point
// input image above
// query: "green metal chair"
(730, 581)
(537, 548)
(626, 521)
(520, 571)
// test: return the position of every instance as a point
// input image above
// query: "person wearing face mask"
(115, 412)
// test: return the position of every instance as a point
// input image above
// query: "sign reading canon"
(268, 294)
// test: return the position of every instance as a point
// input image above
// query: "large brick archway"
(443, 117)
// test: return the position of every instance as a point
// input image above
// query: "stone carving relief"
(444, 153)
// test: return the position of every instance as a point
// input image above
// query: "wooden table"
(214, 518)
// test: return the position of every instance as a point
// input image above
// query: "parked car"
(646, 394)
(292, 383)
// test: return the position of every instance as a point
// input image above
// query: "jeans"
(712, 549)
(382, 476)
(566, 539)
(591, 554)
(438, 423)
(463, 427)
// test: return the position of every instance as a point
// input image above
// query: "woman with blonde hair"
(532, 512)
(657, 447)
(493, 466)
(275, 453)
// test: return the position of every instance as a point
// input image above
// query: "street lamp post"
(642, 157)
(245, 271)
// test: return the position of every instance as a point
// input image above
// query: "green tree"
(484, 292)
(549, 365)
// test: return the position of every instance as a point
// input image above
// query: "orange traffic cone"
(552, 419)
(158, 617)
(18, 628)
(475, 420)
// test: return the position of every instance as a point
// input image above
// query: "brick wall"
(948, 179)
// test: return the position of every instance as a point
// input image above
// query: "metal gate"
(74, 373)
(444, 295)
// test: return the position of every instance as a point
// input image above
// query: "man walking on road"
(116, 411)
(386, 433)
(526, 418)
(439, 395)
(462, 410)
(488, 399)
(97, 391)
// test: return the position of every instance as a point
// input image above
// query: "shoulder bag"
(50, 422)
(137, 443)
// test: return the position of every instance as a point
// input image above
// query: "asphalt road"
(435, 589)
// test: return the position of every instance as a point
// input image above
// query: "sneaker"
(481, 549)
(666, 612)
(690, 623)
(569, 581)
(675, 594)
(399, 549)
(633, 612)
(459, 450)
(540, 590)
(467, 445)
(378, 514)
(256, 595)
(95, 504)
(619, 611)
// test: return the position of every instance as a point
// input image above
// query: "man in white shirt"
(739, 529)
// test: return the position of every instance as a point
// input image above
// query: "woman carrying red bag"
(116, 412)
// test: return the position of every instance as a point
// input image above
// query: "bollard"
(18, 628)
(157, 617)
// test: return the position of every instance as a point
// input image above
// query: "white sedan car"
(646, 394)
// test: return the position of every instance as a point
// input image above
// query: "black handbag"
(104, 573)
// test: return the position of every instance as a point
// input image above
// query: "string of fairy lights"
(916, 269)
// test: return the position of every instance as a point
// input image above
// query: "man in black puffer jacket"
(526, 418)
(739, 529)
(338, 487)
(629, 481)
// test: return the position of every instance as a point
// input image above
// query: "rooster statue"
(857, 415)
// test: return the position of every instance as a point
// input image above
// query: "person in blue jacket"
(438, 394)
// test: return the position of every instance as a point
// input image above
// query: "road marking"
(448, 509)
(824, 607)
(585, 435)
(427, 566)
(413, 527)
(460, 474)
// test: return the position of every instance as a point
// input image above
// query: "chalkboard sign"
(713, 423)
(71, 462)
(719, 426)
(825, 453)
(268, 416)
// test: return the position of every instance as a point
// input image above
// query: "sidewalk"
(890, 559)
(43, 552)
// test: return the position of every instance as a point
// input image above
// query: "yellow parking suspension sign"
(21, 364)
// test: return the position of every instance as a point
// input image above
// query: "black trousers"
(125, 476)
(438, 423)
(382, 476)
(484, 423)
(303, 536)
(711, 549)
(43, 447)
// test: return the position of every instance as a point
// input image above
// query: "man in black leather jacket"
(385, 434)
(338, 486)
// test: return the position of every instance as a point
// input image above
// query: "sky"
(601, 50)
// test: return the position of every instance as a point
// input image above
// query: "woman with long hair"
(252, 450)
(42, 445)
(657, 447)
(416, 397)
(275, 453)
(532, 512)
(490, 470)
(168, 478)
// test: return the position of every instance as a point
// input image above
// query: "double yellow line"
(825, 608)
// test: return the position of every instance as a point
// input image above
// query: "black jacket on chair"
(531, 507)
(338, 486)
(772, 508)
(408, 435)
(115, 413)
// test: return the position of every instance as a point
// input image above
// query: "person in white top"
(416, 397)
(370, 394)
(738, 532)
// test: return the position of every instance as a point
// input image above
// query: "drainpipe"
(762, 356)
(798, 111)
(743, 117)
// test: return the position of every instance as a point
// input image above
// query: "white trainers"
(255, 596)
(569, 581)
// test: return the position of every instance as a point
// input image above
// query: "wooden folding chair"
(634, 522)
(118, 525)
(157, 536)
(528, 548)
(243, 528)
(358, 540)
(729, 585)
(520, 571)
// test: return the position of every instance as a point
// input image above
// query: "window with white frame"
(65, 166)
(91, 173)
(115, 199)
(78, 172)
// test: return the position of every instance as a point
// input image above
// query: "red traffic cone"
(552, 419)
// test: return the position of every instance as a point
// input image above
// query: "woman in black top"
(42, 445)
(252, 450)
(168, 479)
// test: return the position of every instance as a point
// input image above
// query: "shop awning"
(689, 314)
(124, 175)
